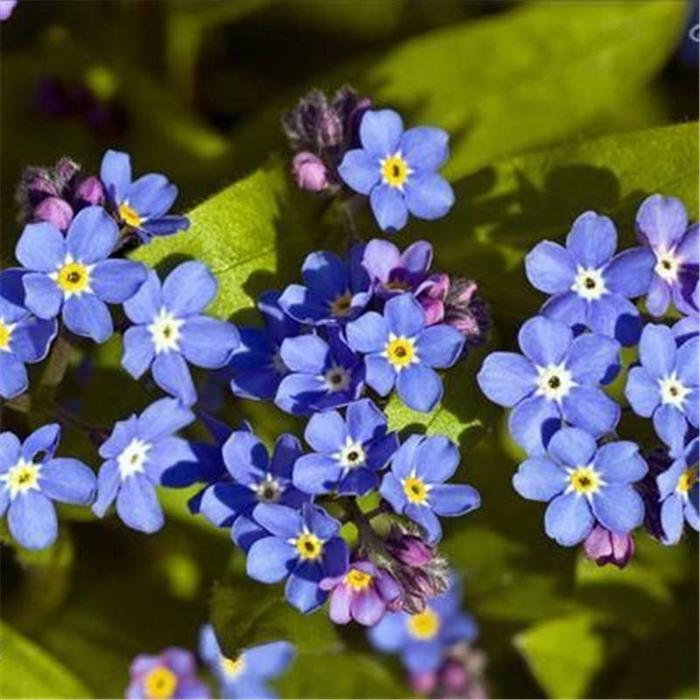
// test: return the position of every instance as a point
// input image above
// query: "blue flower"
(73, 274)
(170, 674)
(256, 364)
(415, 486)
(424, 637)
(171, 330)
(556, 379)
(302, 547)
(333, 292)
(252, 477)
(23, 338)
(247, 676)
(400, 350)
(398, 169)
(662, 226)
(322, 374)
(591, 286)
(142, 205)
(584, 484)
(666, 383)
(349, 452)
(140, 450)
(31, 478)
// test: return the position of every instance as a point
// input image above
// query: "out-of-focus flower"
(398, 170)
(170, 674)
(584, 484)
(589, 284)
(7, 7)
(415, 486)
(171, 331)
(247, 676)
(461, 675)
(556, 378)
(31, 478)
(605, 547)
(400, 349)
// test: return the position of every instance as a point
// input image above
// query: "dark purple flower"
(605, 547)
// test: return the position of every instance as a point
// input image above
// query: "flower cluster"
(598, 486)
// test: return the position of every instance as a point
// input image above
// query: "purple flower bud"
(54, 210)
(410, 550)
(37, 185)
(309, 172)
(90, 191)
(64, 171)
(431, 295)
(605, 547)
(423, 682)
(466, 311)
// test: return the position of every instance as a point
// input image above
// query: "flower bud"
(431, 295)
(309, 172)
(90, 191)
(410, 550)
(423, 682)
(64, 171)
(605, 547)
(466, 311)
(55, 211)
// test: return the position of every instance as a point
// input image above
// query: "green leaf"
(27, 671)
(563, 654)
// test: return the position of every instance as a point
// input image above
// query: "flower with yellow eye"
(170, 674)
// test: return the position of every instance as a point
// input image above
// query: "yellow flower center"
(160, 683)
(22, 477)
(308, 546)
(395, 170)
(342, 305)
(424, 625)
(584, 480)
(415, 490)
(232, 667)
(5, 335)
(73, 278)
(129, 215)
(687, 480)
(400, 352)
(358, 580)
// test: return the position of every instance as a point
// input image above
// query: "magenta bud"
(455, 676)
(410, 550)
(90, 191)
(55, 211)
(309, 172)
(605, 547)
(423, 682)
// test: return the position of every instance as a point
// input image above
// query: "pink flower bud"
(605, 547)
(55, 211)
(423, 682)
(410, 550)
(309, 172)
(90, 191)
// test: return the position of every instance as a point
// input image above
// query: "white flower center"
(337, 378)
(165, 331)
(133, 457)
(667, 265)
(589, 284)
(673, 391)
(268, 490)
(352, 455)
(21, 477)
(554, 382)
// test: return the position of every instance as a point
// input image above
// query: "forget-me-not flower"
(170, 674)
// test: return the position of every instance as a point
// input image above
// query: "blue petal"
(316, 473)
(567, 307)
(171, 374)
(281, 521)
(425, 517)
(304, 593)
(381, 258)
(572, 447)
(380, 131)
(144, 306)
(592, 240)
(138, 506)
(10, 450)
(404, 316)
(245, 457)
(189, 288)
(672, 519)
(32, 520)
(41, 247)
(162, 418)
(358, 482)
(671, 428)
(326, 432)
(172, 462)
(389, 635)
(440, 346)
(270, 560)
(620, 462)
(435, 459)
(368, 333)
(222, 503)
(43, 440)
(108, 482)
(568, 519)
(533, 422)
(591, 358)
(270, 660)
(389, 207)
(419, 387)
(305, 353)
(380, 375)
(43, 297)
(301, 394)
(335, 553)
(688, 361)
(286, 451)
(619, 508)
(208, 342)
(319, 522)
(31, 339)
(360, 170)
(539, 479)
(365, 421)
(88, 316)
(454, 499)
(164, 226)
(152, 195)
(550, 268)
(404, 460)
(428, 196)
(590, 408)
(138, 351)
(642, 392)
(277, 323)
(657, 350)
(616, 317)
(544, 341)
(115, 281)
(661, 221)
(115, 173)
(392, 491)
(630, 272)
(13, 376)
(325, 274)
(68, 480)
(425, 147)
(92, 235)
(245, 532)
(506, 378)
(659, 296)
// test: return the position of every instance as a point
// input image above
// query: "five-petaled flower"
(400, 350)
(666, 383)
(141, 205)
(170, 674)
(398, 169)
(246, 676)
(302, 547)
(584, 484)
(662, 225)
(415, 486)
(23, 337)
(591, 286)
(555, 379)
(349, 452)
(74, 275)
(171, 330)
(140, 450)
(31, 478)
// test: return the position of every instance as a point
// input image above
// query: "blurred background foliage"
(553, 107)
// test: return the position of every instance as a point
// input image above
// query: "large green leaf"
(27, 671)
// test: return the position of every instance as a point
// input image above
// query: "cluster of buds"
(460, 676)
(320, 130)
(56, 194)
(605, 547)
